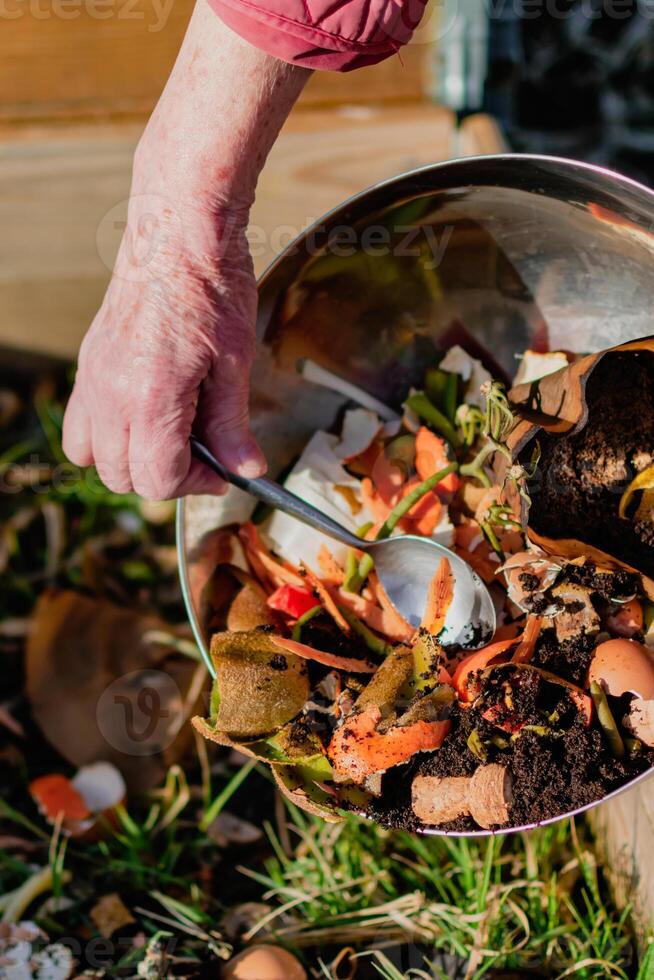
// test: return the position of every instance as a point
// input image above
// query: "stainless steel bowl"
(509, 249)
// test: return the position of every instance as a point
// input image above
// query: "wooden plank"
(69, 60)
(62, 201)
(81, 58)
(624, 828)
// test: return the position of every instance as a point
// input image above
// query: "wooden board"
(625, 831)
(72, 60)
(62, 204)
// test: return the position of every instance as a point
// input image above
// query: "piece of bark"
(485, 796)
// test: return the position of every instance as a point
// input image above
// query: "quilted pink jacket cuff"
(333, 35)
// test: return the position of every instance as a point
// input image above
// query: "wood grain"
(62, 205)
(625, 830)
(71, 60)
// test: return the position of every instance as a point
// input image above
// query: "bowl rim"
(455, 163)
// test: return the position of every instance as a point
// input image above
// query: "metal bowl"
(510, 250)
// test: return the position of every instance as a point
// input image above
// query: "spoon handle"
(273, 494)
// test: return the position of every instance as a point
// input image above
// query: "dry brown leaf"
(228, 829)
(110, 914)
(100, 691)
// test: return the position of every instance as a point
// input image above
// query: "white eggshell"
(535, 365)
(471, 370)
(360, 428)
(100, 785)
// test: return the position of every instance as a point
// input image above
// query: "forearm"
(221, 110)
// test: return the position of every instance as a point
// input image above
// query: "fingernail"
(251, 461)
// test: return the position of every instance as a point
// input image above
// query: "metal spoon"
(405, 564)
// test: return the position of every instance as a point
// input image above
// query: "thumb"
(223, 419)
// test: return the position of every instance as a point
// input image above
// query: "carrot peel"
(439, 598)
(357, 749)
(303, 650)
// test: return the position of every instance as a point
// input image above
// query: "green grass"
(516, 903)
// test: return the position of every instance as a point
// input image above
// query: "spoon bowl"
(406, 566)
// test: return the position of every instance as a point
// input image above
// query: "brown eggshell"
(622, 666)
(264, 962)
(578, 614)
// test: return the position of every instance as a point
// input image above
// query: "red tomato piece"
(292, 600)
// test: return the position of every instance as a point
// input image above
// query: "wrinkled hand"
(169, 351)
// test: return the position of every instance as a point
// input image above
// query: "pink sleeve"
(334, 35)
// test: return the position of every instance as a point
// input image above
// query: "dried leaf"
(110, 914)
(100, 691)
(228, 829)
(643, 481)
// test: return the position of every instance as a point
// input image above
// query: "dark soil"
(322, 633)
(569, 659)
(553, 773)
(581, 477)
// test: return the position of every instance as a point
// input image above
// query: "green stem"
(493, 540)
(304, 618)
(226, 793)
(475, 468)
(356, 572)
(478, 474)
(402, 509)
(351, 580)
(421, 405)
(606, 720)
(366, 565)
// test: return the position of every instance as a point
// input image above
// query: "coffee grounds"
(580, 478)
(569, 659)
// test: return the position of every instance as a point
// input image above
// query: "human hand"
(169, 350)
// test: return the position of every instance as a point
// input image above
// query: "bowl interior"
(504, 252)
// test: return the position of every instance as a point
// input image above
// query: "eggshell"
(360, 428)
(640, 720)
(264, 963)
(623, 665)
(471, 370)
